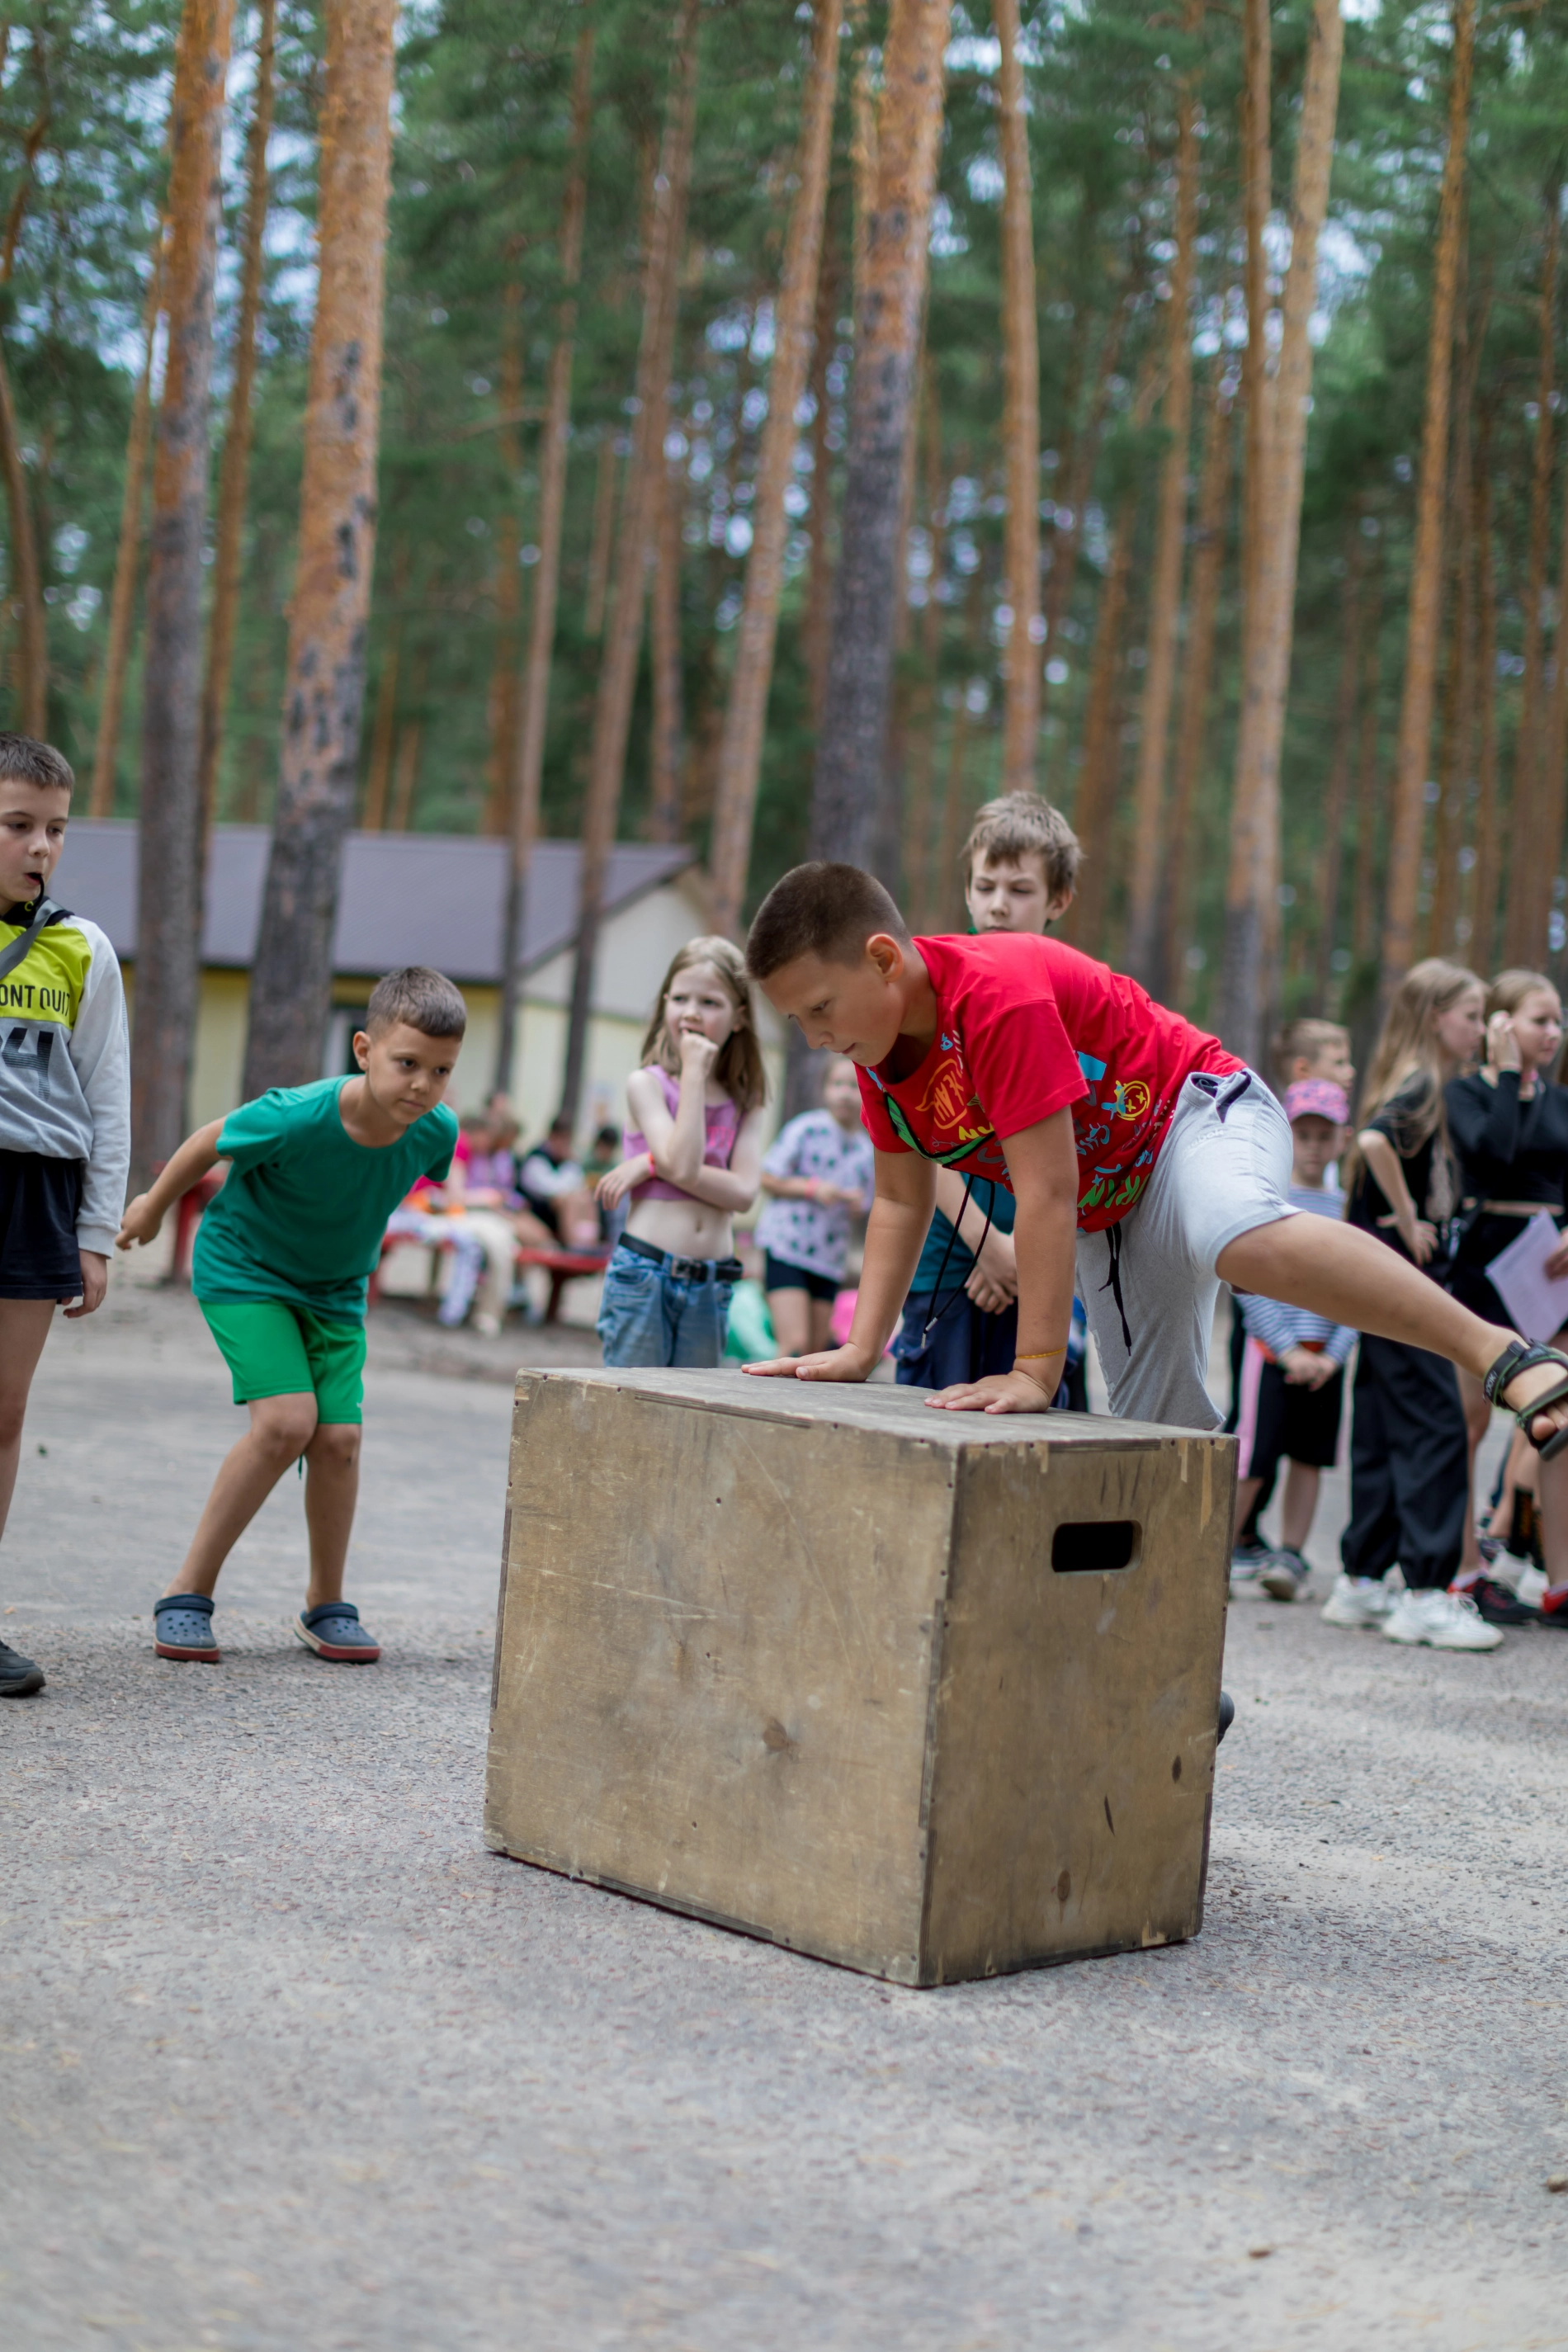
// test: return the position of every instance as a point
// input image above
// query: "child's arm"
(195, 1157)
(676, 1145)
(1419, 1238)
(895, 1235)
(994, 1262)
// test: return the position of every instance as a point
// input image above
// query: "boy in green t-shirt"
(281, 1266)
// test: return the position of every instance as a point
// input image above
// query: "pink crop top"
(723, 1126)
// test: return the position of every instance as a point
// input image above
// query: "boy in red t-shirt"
(1130, 1140)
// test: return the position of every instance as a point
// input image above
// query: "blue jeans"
(652, 1315)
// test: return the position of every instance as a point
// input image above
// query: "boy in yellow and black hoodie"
(65, 1102)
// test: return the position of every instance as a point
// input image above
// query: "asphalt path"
(287, 2059)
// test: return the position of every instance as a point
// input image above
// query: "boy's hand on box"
(94, 1283)
(832, 1364)
(138, 1225)
(997, 1392)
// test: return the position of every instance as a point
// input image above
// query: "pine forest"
(779, 430)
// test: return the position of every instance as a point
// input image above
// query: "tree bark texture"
(324, 686)
(1409, 797)
(1197, 680)
(27, 586)
(1527, 757)
(1252, 892)
(1363, 902)
(740, 750)
(1148, 866)
(922, 751)
(534, 694)
(234, 473)
(1021, 418)
(853, 744)
(665, 754)
(617, 674)
(123, 595)
(1456, 765)
(169, 895)
(1075, 476)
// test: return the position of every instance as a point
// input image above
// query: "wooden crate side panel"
(1076, 1714)
(714, 1680)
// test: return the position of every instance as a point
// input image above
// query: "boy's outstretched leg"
(328, 1624)
(281, 1429)
(23, 1327)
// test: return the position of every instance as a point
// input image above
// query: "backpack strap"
(45, 912)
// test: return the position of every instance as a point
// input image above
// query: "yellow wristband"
(1041, 1356)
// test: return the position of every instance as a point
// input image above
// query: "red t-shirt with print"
(1025, 1027)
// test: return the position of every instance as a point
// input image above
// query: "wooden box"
(931, 1695)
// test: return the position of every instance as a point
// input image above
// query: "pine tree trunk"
(1278, 450)
(234, 473)
(1021, 418)
(1149, 848)
(169, 896)
(1409, 797)
(1363, 903)
(740, 752)
(599, 536)
(502, 712)
(818, 624)
(666, 749)
(1197, 679)
(1076, 476)
(617, 673)
(947, 896)
(535, 693)
(122, 596)
(1459, 691)
(26, 580)
(1094, 803)
(1484, 887)
(1547, 834)
(324, 693)
(922, 715)
(852, 747)
(1336, 797)
(1527, 757)
(379, 772)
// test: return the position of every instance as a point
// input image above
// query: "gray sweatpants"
(1148, 1284)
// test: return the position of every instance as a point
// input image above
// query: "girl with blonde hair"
(1409, 1457)
(695, 1146)
(1509, 1124)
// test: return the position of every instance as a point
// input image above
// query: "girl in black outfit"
(1508, 1122)
(1408, 1484)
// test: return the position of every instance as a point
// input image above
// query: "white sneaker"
(1530, 1585)
(1443, 1621)
(1361, 1603)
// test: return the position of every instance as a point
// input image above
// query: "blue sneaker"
(334, 1631)
(182, 1628)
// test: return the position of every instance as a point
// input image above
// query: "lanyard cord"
(933, 1320)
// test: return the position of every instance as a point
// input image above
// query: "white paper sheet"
(1537, 1302)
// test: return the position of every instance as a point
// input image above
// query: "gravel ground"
(289, 2060)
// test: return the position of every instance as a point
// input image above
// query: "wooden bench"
(562, 1265)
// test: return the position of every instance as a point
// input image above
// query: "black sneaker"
(19, 1677)
(1286, 1575)
(1499, 1606)
(1246, 1559)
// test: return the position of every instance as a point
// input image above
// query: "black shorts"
(39, 1199)
(1282, 1420)
(781, 1275)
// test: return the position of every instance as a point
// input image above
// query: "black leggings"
(1409, 1474)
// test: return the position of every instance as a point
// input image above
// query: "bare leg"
(331, 1490)
(1337, 1271)
(1478, 1420)
(281, 1429)
(1300, 1500)
(1519, 1478)
(792, 1321)
(821, 1323)
(1246, 1493)
(23, 1327)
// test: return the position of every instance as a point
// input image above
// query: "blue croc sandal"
(182, 1628)
(334, 1631)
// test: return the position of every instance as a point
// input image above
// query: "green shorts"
(274, 1349)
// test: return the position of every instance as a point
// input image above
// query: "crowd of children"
(1033, 1144)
